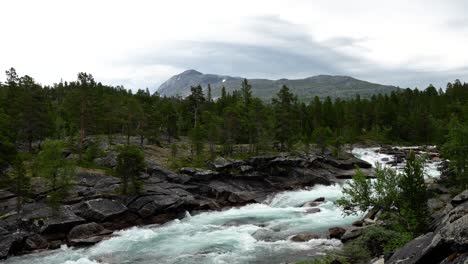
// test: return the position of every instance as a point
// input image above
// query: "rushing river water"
(255, 233)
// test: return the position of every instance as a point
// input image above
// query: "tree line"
(30, 112)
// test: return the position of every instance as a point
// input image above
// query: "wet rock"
(101, 210)
(313, 210)
(320, 199)
(304, 237)
(265, 234)
(89, 233)
(346, 164)
(10, 244)
(40, 218)
(358, 223)
(55, 244)
(336, 232)
(35, 242)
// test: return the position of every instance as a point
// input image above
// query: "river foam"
(254, 233)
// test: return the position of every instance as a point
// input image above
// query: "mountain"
(320, 85)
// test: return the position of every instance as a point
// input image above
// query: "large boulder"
(150, 205)
(101, 210)
(351, 233)
(346, 164)
(304, 237)
(414, 251)
(336, 232)
(40, 218)
(35, 242)
(460, 198)
(10, 244)
(199, 174)
(159, 172)
(450, 238)
(86, 234)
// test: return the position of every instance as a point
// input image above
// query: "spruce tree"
(57, 171)
(130, 163)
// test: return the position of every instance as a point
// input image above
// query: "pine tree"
(196, 98)
(456, 150)
(57, 171)
(414, 195)
(286, 117)
(130, 163)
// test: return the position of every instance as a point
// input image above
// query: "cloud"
(142, 44)
(285, 50)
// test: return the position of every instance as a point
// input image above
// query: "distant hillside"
(305, 89)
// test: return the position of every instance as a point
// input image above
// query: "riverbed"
(254, 233)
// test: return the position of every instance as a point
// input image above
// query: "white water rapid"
(255, 233)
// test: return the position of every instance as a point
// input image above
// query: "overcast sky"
(140, 44)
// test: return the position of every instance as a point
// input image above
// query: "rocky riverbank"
(94, 209)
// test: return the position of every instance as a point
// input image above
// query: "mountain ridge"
(306, 89)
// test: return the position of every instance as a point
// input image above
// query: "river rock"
(10, 244)
(35, 241)
(412, 252)
(89, 233)
(351, 233)
(304, 237)
(450, 238)
(101, 210)
(346, 164)
(358, 223)
(336, 232)
(313, 210)
(320, 199)
(265, 234)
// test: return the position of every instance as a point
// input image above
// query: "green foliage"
(197, 135)
(321, 137)
(402, 194)
(285, 106)
(374, 241)
(357, 194)
(130, 163)
(56, 170)
(456, 150)
(92, 152)
(324, 260)
(413, 196)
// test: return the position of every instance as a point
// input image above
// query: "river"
(255, 233)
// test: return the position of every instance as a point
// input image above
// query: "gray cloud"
(298, 56)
